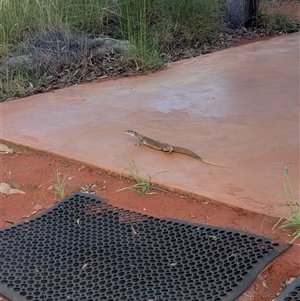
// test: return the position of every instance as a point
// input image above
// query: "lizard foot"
(168, 149)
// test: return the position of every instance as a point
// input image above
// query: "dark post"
(242, 12)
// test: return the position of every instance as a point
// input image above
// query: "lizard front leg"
(168, 148)
(138, 143)
(141, 141)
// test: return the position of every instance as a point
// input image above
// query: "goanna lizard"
(167, 148)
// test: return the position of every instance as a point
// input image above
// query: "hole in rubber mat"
(85, 249)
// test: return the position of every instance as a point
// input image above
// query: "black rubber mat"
(291, 292)
(85, 249)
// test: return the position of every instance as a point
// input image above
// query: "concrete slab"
(231, 107)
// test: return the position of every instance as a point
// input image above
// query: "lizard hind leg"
(168, 149)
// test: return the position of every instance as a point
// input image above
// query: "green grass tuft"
(143, 185)
(59, 183)
(291, 219)
(276, 20)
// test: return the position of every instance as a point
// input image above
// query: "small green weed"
(34, 186)
(13, 184)
(293, 218)
(59, 183)
(143, 185)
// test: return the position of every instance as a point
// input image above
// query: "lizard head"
(130, 132)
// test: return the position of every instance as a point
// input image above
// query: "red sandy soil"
(285, 6)
(291, 7)
(34, 174)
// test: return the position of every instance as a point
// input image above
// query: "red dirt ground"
(285, 6)
(34, 174)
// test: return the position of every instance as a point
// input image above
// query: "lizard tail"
(214, 164)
